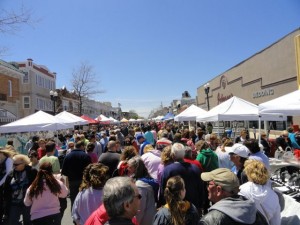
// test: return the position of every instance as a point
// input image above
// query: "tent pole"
(259, 128)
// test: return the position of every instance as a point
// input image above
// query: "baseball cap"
(222, 177)
(240, 150)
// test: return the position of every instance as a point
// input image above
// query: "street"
(67, 219)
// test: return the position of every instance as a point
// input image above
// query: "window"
(26, 102)
(9, 89)
(26, 78)
(65, 105)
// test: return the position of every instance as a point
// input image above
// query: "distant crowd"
(154, 173)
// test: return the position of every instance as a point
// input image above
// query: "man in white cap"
(239, 153)
(228, 208)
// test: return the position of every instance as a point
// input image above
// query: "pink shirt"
(46, 204)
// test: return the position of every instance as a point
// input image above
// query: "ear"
(126, 206)
(219, 190)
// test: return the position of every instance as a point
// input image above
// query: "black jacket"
(8, 191)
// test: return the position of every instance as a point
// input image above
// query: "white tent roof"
(158, 118)
(75, 120)
(114, 120)
(189, 114)
(237, 109)
(39, 121)
(103, 119)
(288, 105)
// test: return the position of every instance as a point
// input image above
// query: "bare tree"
(12, 20)
(85, 83)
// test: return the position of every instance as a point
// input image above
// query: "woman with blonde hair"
(90, 196)
(15, 186)
(259, 190)
(177, 211)
(166, 159)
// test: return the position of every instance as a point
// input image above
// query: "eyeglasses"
(17, 164)
(139, 196)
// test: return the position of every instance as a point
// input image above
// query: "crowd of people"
(154, 173)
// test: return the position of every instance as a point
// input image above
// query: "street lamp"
(53, 96)
(206, 89)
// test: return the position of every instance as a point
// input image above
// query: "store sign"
(222, 98)
(262, 93)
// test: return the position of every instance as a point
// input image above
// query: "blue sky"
(147, 52)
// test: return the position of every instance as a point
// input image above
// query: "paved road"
(67, 219)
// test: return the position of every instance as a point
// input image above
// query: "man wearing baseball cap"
(239, 153)
(229, 207)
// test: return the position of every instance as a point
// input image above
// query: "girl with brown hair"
(177, 211)
(43, 197)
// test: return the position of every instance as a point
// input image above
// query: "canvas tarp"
(189, 114)
(39, 121)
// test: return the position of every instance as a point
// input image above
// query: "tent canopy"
(288, 105)
(103, 119)
(168, 116)
(90, 120)
(189, 114)
(114, 120)
(39, 121)
(235, 109)
(124, 120)
(75, 120)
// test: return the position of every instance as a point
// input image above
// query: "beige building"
(268, 74)
(37, 82)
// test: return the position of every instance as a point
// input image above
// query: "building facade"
(10, 95)
(36, 84)
(264, 76)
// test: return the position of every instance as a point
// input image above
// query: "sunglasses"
(139, 196)
(17, 164)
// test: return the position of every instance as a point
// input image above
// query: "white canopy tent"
(158, 118)
(39, 121)
(114, 120)
(75, 120)
(103, 119)
(237, 109)
(189, 114)
(288, 105)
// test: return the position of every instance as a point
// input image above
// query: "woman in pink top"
(43, 196)
(89, 150)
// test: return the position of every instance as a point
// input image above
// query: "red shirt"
(195, 162)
